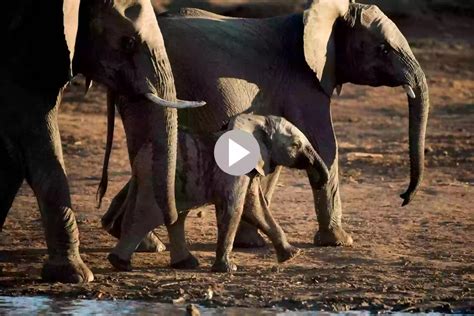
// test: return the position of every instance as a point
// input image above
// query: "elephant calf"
(199, 181)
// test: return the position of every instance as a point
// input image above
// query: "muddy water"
(50, 306)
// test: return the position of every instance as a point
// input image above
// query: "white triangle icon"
(236, 153)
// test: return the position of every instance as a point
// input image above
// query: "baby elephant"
(199, 182)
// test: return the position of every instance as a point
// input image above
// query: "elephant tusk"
(409, 91)
(88, 85)
(179, 104)
(339, 89)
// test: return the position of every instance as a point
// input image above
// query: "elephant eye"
(129, 44)
(296, 144)
(383, 49)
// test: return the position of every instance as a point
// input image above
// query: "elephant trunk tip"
(409, 194)
(407, 197)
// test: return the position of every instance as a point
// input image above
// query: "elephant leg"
(139, 219)
(229, 212)
(112, 220)
(11, 178)
(151, 243)
(257, 212)
(269, 183)
(181, 257)
(329, 210)
(310, 111)
(248, 235)
(112, 223)
(46, 175)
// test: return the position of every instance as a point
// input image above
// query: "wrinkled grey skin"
(35, 69)
(200, 182)
(289, 66)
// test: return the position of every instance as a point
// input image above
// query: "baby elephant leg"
(229, 212)
(257, 212)
(248, 235)
(181, 257)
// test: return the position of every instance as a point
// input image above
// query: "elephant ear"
(70, 21)
(319, 42)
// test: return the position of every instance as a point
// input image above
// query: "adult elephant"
(117, 43)
(290, 66)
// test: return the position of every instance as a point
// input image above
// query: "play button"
(237, 152)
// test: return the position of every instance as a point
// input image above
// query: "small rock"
(179, 300)
(360, 155)
(209, 294)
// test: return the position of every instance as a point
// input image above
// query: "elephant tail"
(108, 147)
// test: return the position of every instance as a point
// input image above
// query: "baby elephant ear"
(319, 43)
(264, 167)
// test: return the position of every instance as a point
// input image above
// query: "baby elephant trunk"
(316, 162)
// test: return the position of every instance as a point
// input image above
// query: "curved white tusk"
(179, 104)
(409, 91)
(339, 89)
(88, 85)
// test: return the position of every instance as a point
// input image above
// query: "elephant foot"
(151, 243)
(288, 253)
(334, 237)
(191, 262)
(224, 266)
(119, 264)
(66, 270)
(249, 237)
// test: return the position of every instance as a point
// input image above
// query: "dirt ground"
(415, 258)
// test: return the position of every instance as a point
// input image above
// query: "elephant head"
(281, 143)
(119, 44)
(349, 42)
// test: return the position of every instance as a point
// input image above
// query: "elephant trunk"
(165, 139)
(164, 143)
(419, 106)
(317, 162)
